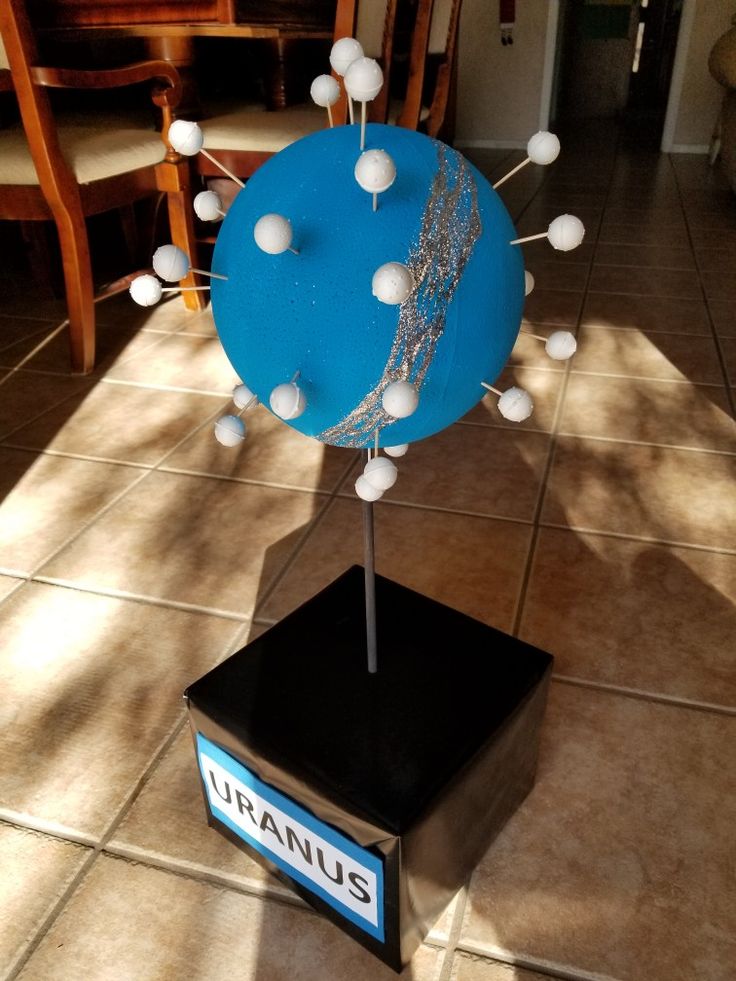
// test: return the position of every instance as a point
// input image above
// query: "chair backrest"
(435, 35)
(20, 54)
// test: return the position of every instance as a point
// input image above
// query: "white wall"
(499, 88)
(701, 95)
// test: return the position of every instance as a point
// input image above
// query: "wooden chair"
(48, 172)
(243, 140)
(434, 46)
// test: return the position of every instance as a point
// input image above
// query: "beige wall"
(499, 88)
(701, 95)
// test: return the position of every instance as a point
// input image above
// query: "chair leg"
(79, 291)
(181, 222)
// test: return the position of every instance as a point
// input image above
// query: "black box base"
(420, 765)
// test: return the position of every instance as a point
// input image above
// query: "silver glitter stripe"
(450, 228)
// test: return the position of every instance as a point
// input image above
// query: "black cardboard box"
(373, 796)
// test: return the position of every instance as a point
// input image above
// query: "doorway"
(614, 61)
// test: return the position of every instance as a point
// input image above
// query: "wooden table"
(170, 27)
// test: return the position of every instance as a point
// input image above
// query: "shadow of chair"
(49, 171)
(243, 140)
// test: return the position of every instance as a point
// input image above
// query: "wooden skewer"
(181, 289)
(492, 389)
(203, 272)
(529, 238)
(511, 173)
(222, 167)
(329, 116)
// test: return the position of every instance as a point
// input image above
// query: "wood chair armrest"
(167, 95)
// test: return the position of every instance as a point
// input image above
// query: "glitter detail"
(450, 228)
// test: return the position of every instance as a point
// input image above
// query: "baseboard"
(689, 148)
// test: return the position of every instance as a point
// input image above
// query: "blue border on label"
(340, 841)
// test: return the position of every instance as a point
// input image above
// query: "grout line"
(641, 442)
(552, 448)
(706, 300)
(52, 829)
(100, 845)
(437, 508)
(309, 530)
(143, 598)
(201, 873)
(546, 968)
(247, 481)
(647, 378)
(454, 934)
(641, 539)
(643, 695)
(84, 457)
(150, 386)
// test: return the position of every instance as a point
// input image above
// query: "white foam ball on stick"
(398, 450)
(145, 290)
(207, 206)
(528, 282)
(400, 399)
(381, 472)
(229, 430)
(242, 395)
(170, 263)
(561, 345)
(392, 282)
(366, 490)
(363, 79)
(186, 137)
(325, 91)
(287, 401)
(273, 234)
(515, 405)
(565, 232)
(543, 148)
(344, 52)
(375, 171)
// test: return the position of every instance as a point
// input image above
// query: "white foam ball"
(515, 404)
(208, 205)
(242, 395)
(186, 137)
(528, 282)
(543, 148)
(400, 399)
(381, 472)
(229, 430)
(366, 490)
(392, 282)
(288, 401)
(375, 171)
(145, 290)
(170, 263)
(561, 345)
(398, 450)
(325, 91)
(566, 232)
(273, 234)
(344, 52)
(363, 79)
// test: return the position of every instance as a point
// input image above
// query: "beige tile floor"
(135, 552)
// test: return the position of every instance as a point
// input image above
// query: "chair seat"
(256, 130)
(94, 152)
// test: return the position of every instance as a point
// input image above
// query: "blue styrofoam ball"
(315, 313)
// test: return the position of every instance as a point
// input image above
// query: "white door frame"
(687, 19)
